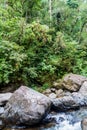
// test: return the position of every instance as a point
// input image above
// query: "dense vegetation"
(41, 40)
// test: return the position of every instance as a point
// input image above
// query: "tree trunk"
(50, 10)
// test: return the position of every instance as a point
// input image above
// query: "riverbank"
(26, 107)
(70, 120)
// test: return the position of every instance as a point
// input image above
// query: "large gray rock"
(73, 101)
(79, 99)
(26, 106)
(83, 89)
(84, 124)
(64, 103)
(4, 98)
(73, 82)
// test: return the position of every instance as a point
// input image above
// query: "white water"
(64, 121)
(69, 120)
(66, 126)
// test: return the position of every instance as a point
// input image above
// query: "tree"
(25, 8)
(41, 40)
(50, 10)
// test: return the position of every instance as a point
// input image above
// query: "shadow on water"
(36, 127)
(32, 128)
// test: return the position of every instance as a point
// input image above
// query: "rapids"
(70, 120)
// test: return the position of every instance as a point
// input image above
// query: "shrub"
(11, 59)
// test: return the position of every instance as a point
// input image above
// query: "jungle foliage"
(41, 41)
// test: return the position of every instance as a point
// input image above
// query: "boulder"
(26, 106)
(71, 101)
(47, 91)
(73, 82)
(67, 93)
(4, 98)
(52, 96)
(84, 124)
(79, 99)
(59, 93)
(83, 89)
(64, 103)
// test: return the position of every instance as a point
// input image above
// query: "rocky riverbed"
(70, 120)
(26, 107)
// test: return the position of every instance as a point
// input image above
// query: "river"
(70, 120)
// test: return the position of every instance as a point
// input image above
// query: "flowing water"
(70, 120)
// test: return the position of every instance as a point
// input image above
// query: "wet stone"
(1, 110)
